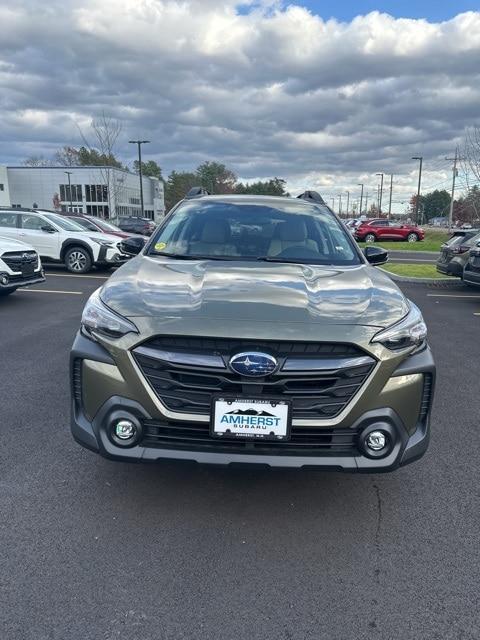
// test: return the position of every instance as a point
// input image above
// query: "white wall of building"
(4, 190)
(46, 188)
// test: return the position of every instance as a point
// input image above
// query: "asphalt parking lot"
(95, 550)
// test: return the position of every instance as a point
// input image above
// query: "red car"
(378, 230)
(91, 223)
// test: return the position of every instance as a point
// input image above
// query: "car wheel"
(412, 237)
(6, 292)
(77, 260)
(370, 237)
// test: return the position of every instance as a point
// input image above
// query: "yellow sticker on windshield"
(160, 246)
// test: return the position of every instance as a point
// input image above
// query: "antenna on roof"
(312, 196)
(197, 192)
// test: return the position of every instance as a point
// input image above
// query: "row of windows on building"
(93, 193)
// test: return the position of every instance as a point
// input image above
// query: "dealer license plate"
(251, 418)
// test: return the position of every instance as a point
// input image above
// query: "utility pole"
(366, 204)
(333, 205)
(69, 173)
(139, 144)
(348, 201)
(390, 200)
(381, 194)
(454, 176)
(361, 199)
(417, 203)
(340, 204)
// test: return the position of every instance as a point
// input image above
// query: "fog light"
(376, 440)
(125, 430)
(4, 279)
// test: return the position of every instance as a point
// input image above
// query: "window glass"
(63, 223)
(8, 219)
(34, 223)
(245, 230)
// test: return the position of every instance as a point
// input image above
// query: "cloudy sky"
(322, 95)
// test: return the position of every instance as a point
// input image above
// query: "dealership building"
(107, 192)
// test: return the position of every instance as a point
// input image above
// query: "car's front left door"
(41, 234)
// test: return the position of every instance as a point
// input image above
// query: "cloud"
(268, 89)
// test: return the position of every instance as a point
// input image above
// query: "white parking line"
(450, 295)
(74, 275)
(72, 293)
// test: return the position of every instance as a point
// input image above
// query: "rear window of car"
(235, 230)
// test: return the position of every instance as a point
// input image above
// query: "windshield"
(235, 230)
(106, 226)
(63, 223)
(85, 224)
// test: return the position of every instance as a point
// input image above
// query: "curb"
(437, 281)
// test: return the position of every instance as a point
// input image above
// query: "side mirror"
(132, 246)
(48, 229)
(375, 255)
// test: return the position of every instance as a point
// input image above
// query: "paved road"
(417, 257)
(95, 550)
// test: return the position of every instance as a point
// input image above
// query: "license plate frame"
(262, 432)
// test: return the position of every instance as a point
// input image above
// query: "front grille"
(189, 388)
(17, 261)
(305, 441)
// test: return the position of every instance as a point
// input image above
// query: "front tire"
(412, 237)
(370, 237)
(78, 260)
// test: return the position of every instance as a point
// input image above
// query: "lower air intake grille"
(196, 437)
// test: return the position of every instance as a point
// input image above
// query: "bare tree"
(37, 161)
(66, 157)
(470, 163)
(106, 131)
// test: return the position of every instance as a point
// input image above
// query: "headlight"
(104, 243)
(98, 318)
(409, 332)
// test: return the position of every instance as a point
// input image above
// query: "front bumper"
(15, 281)
(111, 256)
(92, 430)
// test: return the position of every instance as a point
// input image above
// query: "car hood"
(93, 235)
(8, 244)
(254, 292)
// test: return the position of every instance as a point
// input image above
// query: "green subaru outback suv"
(253, 330)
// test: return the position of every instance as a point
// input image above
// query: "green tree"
(273, 187)
(215, 177)
(92, 157)
(435, 204)
(149, 168)
(177, 186)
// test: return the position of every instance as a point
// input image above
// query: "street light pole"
(366, 203)
(139, 144)
(340, 204)
(333, 205)
(381, 194)
(69, 173)
(348, 201)
(390, 201)
(417, 203)
(361, 198)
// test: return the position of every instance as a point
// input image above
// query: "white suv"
(20, 266)
(58, 239)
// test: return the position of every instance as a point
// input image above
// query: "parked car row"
(78, 241)
(460, 256)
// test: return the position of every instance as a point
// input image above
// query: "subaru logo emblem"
(25, 257)
(253, 364)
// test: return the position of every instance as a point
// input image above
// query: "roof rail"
(313, 196)
(197, 192)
